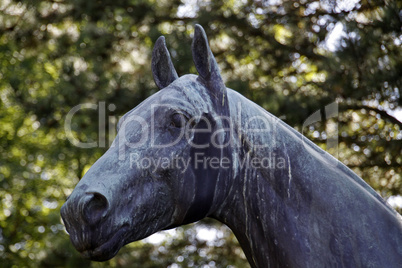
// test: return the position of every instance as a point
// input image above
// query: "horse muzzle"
(93, 233)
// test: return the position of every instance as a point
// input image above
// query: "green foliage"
(55, 55)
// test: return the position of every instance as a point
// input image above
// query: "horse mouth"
(109, 249)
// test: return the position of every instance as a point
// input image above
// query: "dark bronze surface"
(289, 203)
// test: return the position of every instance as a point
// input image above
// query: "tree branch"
(382, 113)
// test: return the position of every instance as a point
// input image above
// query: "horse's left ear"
(205, 63)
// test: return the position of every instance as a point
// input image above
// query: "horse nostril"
(95, 207)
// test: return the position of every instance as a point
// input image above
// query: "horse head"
(153, 177)
(196, 149)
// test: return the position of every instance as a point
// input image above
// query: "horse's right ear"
(162, 67)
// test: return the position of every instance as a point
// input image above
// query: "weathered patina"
(197, 149)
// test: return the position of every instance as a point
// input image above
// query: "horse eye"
(178, 120)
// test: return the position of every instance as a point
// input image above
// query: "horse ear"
(205, 62)
(162, 67)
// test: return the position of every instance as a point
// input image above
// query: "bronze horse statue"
(197, 149)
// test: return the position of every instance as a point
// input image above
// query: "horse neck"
(246, 205)
(302, 203)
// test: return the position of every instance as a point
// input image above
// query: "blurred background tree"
(291, 57)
